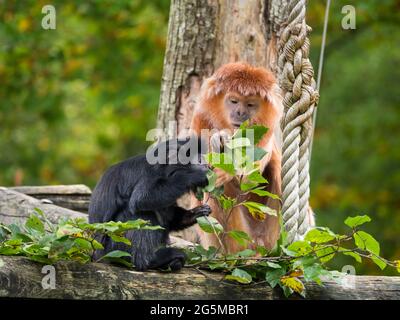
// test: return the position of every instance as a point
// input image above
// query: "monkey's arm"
(164, 193)
(185, 218)
(199, 122)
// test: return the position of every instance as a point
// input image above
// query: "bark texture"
(21, 278)
(16, 207)
(75, 197)
(202, 36)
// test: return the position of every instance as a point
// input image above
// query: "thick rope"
(300, 97)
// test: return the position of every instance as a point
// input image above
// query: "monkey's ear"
(274, 96)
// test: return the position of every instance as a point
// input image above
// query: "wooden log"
(57, 189)
(75, 197)
(21, 278)
(16, 207)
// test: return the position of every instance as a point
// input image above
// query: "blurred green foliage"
(76, 99)
(355, 165)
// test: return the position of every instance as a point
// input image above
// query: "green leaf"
(10, 251)
(397, 264)
(35, 223)
(245, 186)
(300, 247)
(288, 252)
(314, 272)
(257, 177)
(319, 236)
(239, 142)
(226, 202)
(67, 230)
(240, 276)
(83, 243)
(115, 254)
(222, 161)
(241, 237)
(287, 291)
(273, 265)
(263, 251)
(379, 262)
(367, 242)
(209, 224)
(258, 210)
(246, 253)
(264, 193)
(217, 265)
(325, 254)
(35, 249)
(97, 245)
(121, 239)
(353, 254)
(240, 158)
(259, 132)
(353, 222)
(273, 277)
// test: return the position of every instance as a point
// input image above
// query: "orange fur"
(210, 113)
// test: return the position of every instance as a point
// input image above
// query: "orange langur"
(235, 93)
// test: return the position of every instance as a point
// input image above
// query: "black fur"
(135, 189)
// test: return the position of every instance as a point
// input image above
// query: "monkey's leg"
(165, 258)
(144, 246)
(185, 218)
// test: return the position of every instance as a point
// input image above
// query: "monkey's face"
(241, 108)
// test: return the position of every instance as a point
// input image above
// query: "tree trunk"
(203, 35)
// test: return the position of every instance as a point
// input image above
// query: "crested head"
(244, 79)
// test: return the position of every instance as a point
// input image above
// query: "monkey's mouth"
(236, 125)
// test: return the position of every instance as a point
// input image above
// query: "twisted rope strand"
(300, 98)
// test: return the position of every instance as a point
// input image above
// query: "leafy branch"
(70, 239)
(287, 265)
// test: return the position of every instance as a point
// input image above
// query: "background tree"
(220, 32)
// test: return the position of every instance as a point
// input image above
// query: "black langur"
(147, 187)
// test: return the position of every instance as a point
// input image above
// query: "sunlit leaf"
(210, 225)
(241, 237)
(319, 236)
(367, 242)
(379, 262)
(353, 222)
(240, 276)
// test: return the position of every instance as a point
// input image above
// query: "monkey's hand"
(218, 140)
(201, 211)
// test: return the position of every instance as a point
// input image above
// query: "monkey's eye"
(234, 101)
(251, 105)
